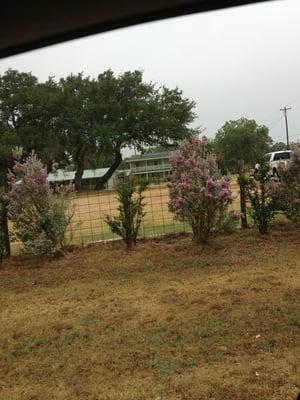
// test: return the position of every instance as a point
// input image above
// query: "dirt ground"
(172, 320)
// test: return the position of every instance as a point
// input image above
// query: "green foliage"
(241, 141)
(29, 111)
(156, 149)
(7, 144)
(287, 189)
(40, 217)
(128, 222)
(278, 146)
(229, 222)
(89, 121)
(239, 145)
(260, 194)
(138, 114)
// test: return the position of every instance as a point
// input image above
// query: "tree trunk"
(200, 236)
(79, 173)
(129, 245)
(102, 181)
(243, 199)
(5, 243)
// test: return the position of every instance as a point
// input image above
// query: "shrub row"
(198, 195)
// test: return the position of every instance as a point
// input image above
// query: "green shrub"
(229, 222)
(131, 206)
(261, 196)
(287, 189)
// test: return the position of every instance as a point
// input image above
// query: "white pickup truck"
(274, 159)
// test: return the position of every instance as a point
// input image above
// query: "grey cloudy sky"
(237, 62)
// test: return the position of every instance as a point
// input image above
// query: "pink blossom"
(224, 194)
(211, 183)
(195, 186)
(235, 215)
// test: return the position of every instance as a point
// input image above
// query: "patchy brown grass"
(169, 321)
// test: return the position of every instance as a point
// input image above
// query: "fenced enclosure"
(91, 207)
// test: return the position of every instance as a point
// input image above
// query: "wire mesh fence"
(91, 207)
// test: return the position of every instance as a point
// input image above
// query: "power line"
(285, 110)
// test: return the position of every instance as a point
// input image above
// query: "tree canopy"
(239, 145)
(7, 143)
(29, 110)
(278, 146)
(125, 111)
(241, 141)
(89, 121)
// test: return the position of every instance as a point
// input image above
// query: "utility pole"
(285, 110)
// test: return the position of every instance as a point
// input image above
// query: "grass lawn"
(170, 321)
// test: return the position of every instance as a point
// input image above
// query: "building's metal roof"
(61, 175)
(148, 156)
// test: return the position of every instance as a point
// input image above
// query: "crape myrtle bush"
(131, 209)
(286, 191)
(198, 193)
(40, 217)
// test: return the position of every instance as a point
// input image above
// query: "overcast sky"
(239, 62)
